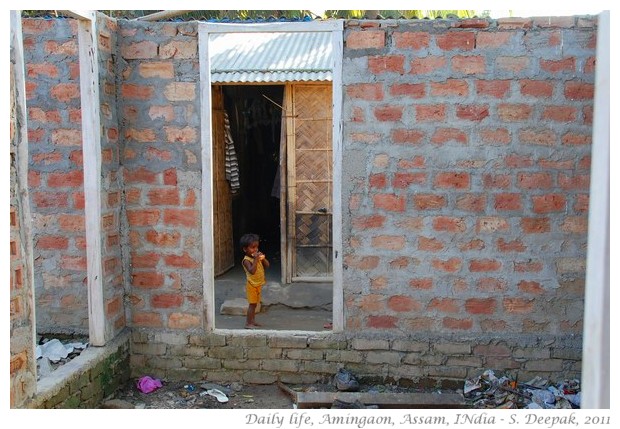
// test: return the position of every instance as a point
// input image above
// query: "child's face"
(251, 249)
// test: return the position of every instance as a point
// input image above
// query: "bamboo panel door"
(309, 183)
(222, 196)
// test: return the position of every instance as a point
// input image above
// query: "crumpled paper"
(148, 384)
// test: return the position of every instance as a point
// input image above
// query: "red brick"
(491, 224)
(382, 322)
(52, 242)
(534, 180)
(69, 179)
(388, 242)
(475, 244)
(429, 201)
(388, 113)
(141, 135)
(181, 217)
(179, 49)
(377, 181)
(362, 263)
(147, 279)
(578, 91)
(471, 202)
(36, 25)
(535, 225)
(170, 177)
(47, 158)
(492, 136)
(445, 135)
(35, 136)
(403, 303)
(365, 39)
(180, 91)
(415, 162)
(490, 284)
(578, 181)
(548, 203)
(565, 114)
(183, 321)
(50, 199)
(402, 262)
(372, 303)
(181, 135)
(143, 217)
(427, 65)
(480, 305)
(145, 260)
(31, 90)
(413, 90)
(139, 50)
(558, 66)
(65, 92)
(538, 137)
(508, 201)
(484, 265)
(390, 202)
(493, 88)
(452, 180)
(468, 64)
(421, 283)
(536, 88)
(462, 324)
(462, 41)
(471, 23)
(429, 244)
(162, 112)
(518, 305)
(411, 40)
(164, 239)
(113, 306)
(410, 223)
(386, 64)
(472, 112)
(73, 263)
(402, 135)
(140, 175)
(164, 197)
(66, 137)
(512, 64)
(431, 112)
(575, 139)
(404, 180)
(449, 224)
(146, 319)
(589, 66)
(451, 265)
(584, 163)
(136, 92)
(510, 246)
(514, 112)
(575, 225)
(497, 181)
(486, 40)
(366, 91)
(46, 69)
(166, 300)
(444, 305)
(581, 203)
(530, 287)
(450, 87)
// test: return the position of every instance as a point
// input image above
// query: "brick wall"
(466, 175)
(56, 174)
(161, 159)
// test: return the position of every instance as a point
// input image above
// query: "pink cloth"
(147, 384)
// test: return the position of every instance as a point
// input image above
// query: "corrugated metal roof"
(270, 57)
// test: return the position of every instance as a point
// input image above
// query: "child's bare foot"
(252, 326)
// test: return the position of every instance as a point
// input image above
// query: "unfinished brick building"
(458, 166)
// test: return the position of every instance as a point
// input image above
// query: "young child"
(254, 264)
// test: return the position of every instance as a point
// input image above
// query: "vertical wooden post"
(91, 147)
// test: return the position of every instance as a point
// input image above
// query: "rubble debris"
(345, 381)
(52, 353)
(489, 391)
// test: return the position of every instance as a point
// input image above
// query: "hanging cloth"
(230, 158)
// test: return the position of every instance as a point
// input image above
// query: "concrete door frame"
(336, 29)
